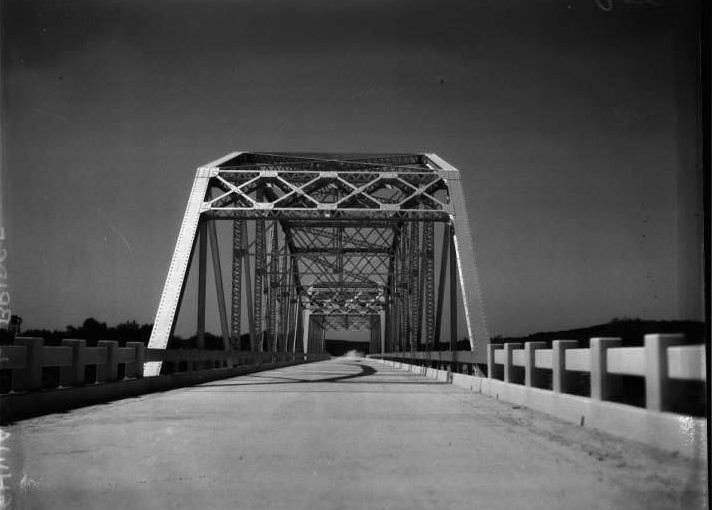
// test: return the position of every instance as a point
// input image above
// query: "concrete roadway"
(341, 434)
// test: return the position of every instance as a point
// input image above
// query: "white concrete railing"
(534, 376)
(662, 359)
(28, 356)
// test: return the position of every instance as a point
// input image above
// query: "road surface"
(347, 433)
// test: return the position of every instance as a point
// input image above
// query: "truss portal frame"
(335, 242)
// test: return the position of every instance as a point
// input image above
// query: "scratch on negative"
(128, 245)
(50, 114)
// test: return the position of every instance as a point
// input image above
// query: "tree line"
(93, 330)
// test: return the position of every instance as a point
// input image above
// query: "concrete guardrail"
(521, 373)
(28, 358)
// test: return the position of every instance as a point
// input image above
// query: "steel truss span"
(329, 242)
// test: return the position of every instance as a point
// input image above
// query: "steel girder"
(335, 237)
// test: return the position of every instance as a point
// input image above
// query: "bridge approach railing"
(40, 379)
(549, 379)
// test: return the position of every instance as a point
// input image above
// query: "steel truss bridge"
(329, 242)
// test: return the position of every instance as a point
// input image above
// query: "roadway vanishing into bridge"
(348, 433)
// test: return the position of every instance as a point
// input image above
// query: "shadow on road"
(365, 371)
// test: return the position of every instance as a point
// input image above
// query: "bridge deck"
(345, 433)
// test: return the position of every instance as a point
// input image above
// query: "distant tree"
(617, 320)
(92, 331)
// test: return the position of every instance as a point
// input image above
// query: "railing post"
(532, 376)
(491, 366)
(135, 369)
(110, 369)
(559, 378)
(74, 375)
(30, 377)
(603, 386)
(508, 347)
(658, 394)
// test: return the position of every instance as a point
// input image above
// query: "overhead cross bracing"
(329, 241)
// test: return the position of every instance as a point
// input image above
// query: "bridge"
(337, 242)
(330, 242)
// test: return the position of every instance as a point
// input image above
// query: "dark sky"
(564, 119)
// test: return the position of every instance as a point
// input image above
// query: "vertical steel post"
(236, 304)
(382, 329)
(289, 307)
(259, 274)
(306, 322)
(284, 304)
(312, 334)
(428, 272)
(414, 286)
(441, 285)
(372, 336)
(202, 263)
(388, 314)
(273, 290)
(217, 272)
(404, 291)
(298, 325)
(320, 337)
(248, 292)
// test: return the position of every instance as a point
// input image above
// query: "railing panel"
(578, 360)
(95, 355)
(54, 356)
(13, 356)
(687, 362)
(626, 361)
(542, 358)
(126, 355)
(518, 357)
